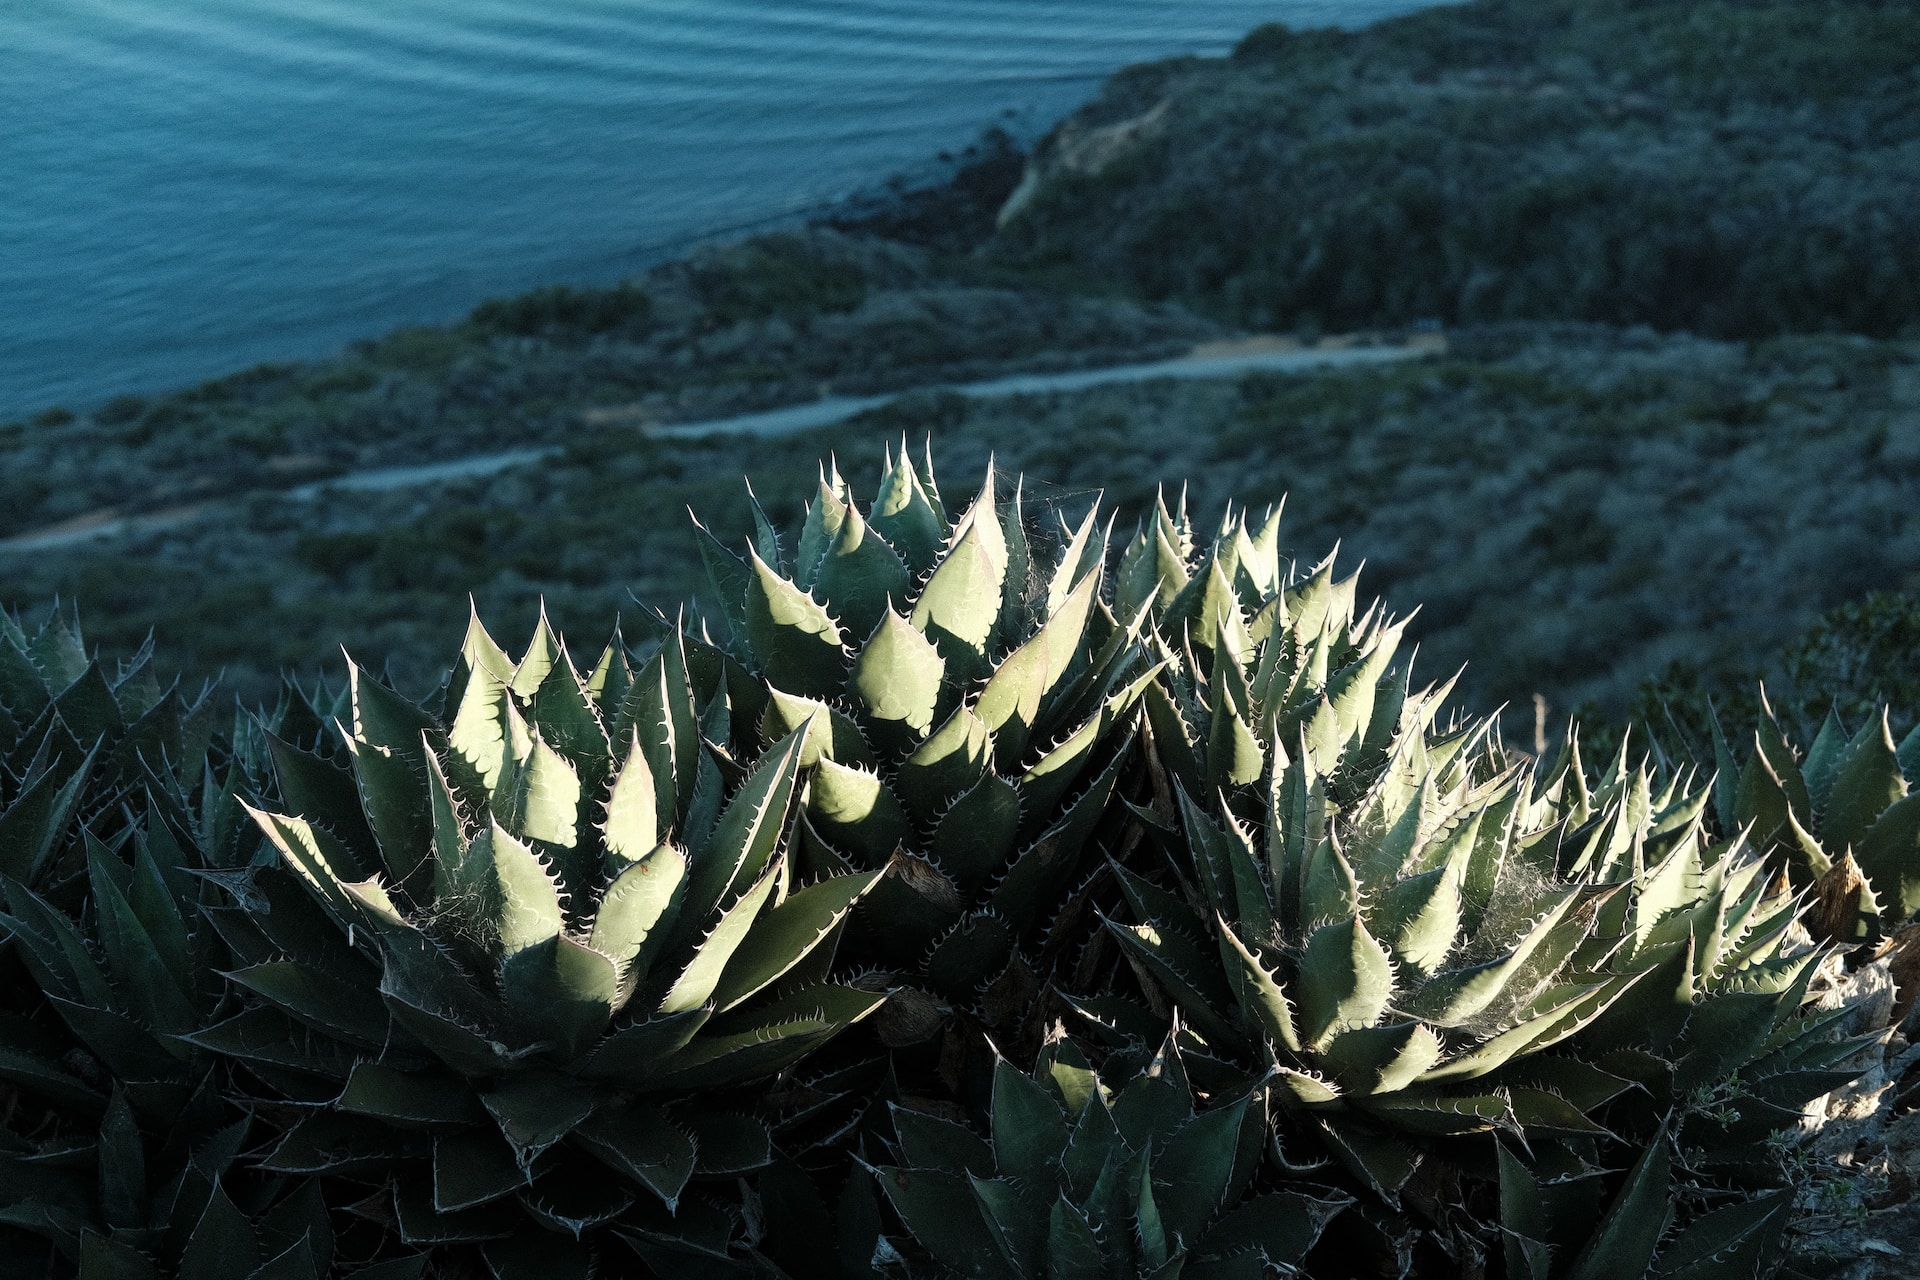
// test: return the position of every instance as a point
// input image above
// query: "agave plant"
(78, 741)
(507, 963)
(1423, 938)
(1839, 819)
(136, 1209)
(966, 697)
(1145, 1182)
(100, 1084)
(1587, 993)
(106, 962)
(198, 1215)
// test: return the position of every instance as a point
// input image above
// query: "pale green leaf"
(795, 641)
(787, 934)
(904, 514)
(633, 818)
(1345, 981)
(696, 983)
(860, 578)
(634, 904)
(960, 605)
(897, 676)
(528, 903)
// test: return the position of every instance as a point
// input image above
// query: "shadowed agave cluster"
(1416, 936)
(957, 897)
(1838, 820)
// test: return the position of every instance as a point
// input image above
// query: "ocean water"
(189, 187)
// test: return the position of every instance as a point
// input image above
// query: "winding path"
(1224, 359)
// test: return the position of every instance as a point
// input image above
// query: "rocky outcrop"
(1076, 147)
(1858, 1205)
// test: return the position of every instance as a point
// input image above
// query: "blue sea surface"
(188, 187)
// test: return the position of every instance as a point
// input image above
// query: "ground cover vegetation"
(731, 329)
(1574, 510)
(815, 934)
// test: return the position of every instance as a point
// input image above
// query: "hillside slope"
(1730, 167)
(1571, 508)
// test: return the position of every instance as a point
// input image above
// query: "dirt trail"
(1223, 359)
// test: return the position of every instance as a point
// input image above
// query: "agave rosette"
(966, 697)
(1424, 938)
(507, 962)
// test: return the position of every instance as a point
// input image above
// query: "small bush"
(235, 386)
(783, 280)
(341, 379)
(421, 349)
(1861, 654)
(335, 554)
(159, 417)
(562, 309)
(1857, 657)
(120, 409)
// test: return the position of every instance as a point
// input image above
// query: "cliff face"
(1729, 168)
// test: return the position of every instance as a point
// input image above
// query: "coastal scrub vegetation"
(728, 330)
(1573, 511)
(1733, 169)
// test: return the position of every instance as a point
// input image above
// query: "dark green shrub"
(1862, 654)
(334, 554)
(1859, 657)
(120, 409)
(561, 310)
(422, 349)
(778, 278)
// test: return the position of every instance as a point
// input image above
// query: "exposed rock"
(1903, 961)
(1856, 1214)
(1867, 993)
(1077, 147)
